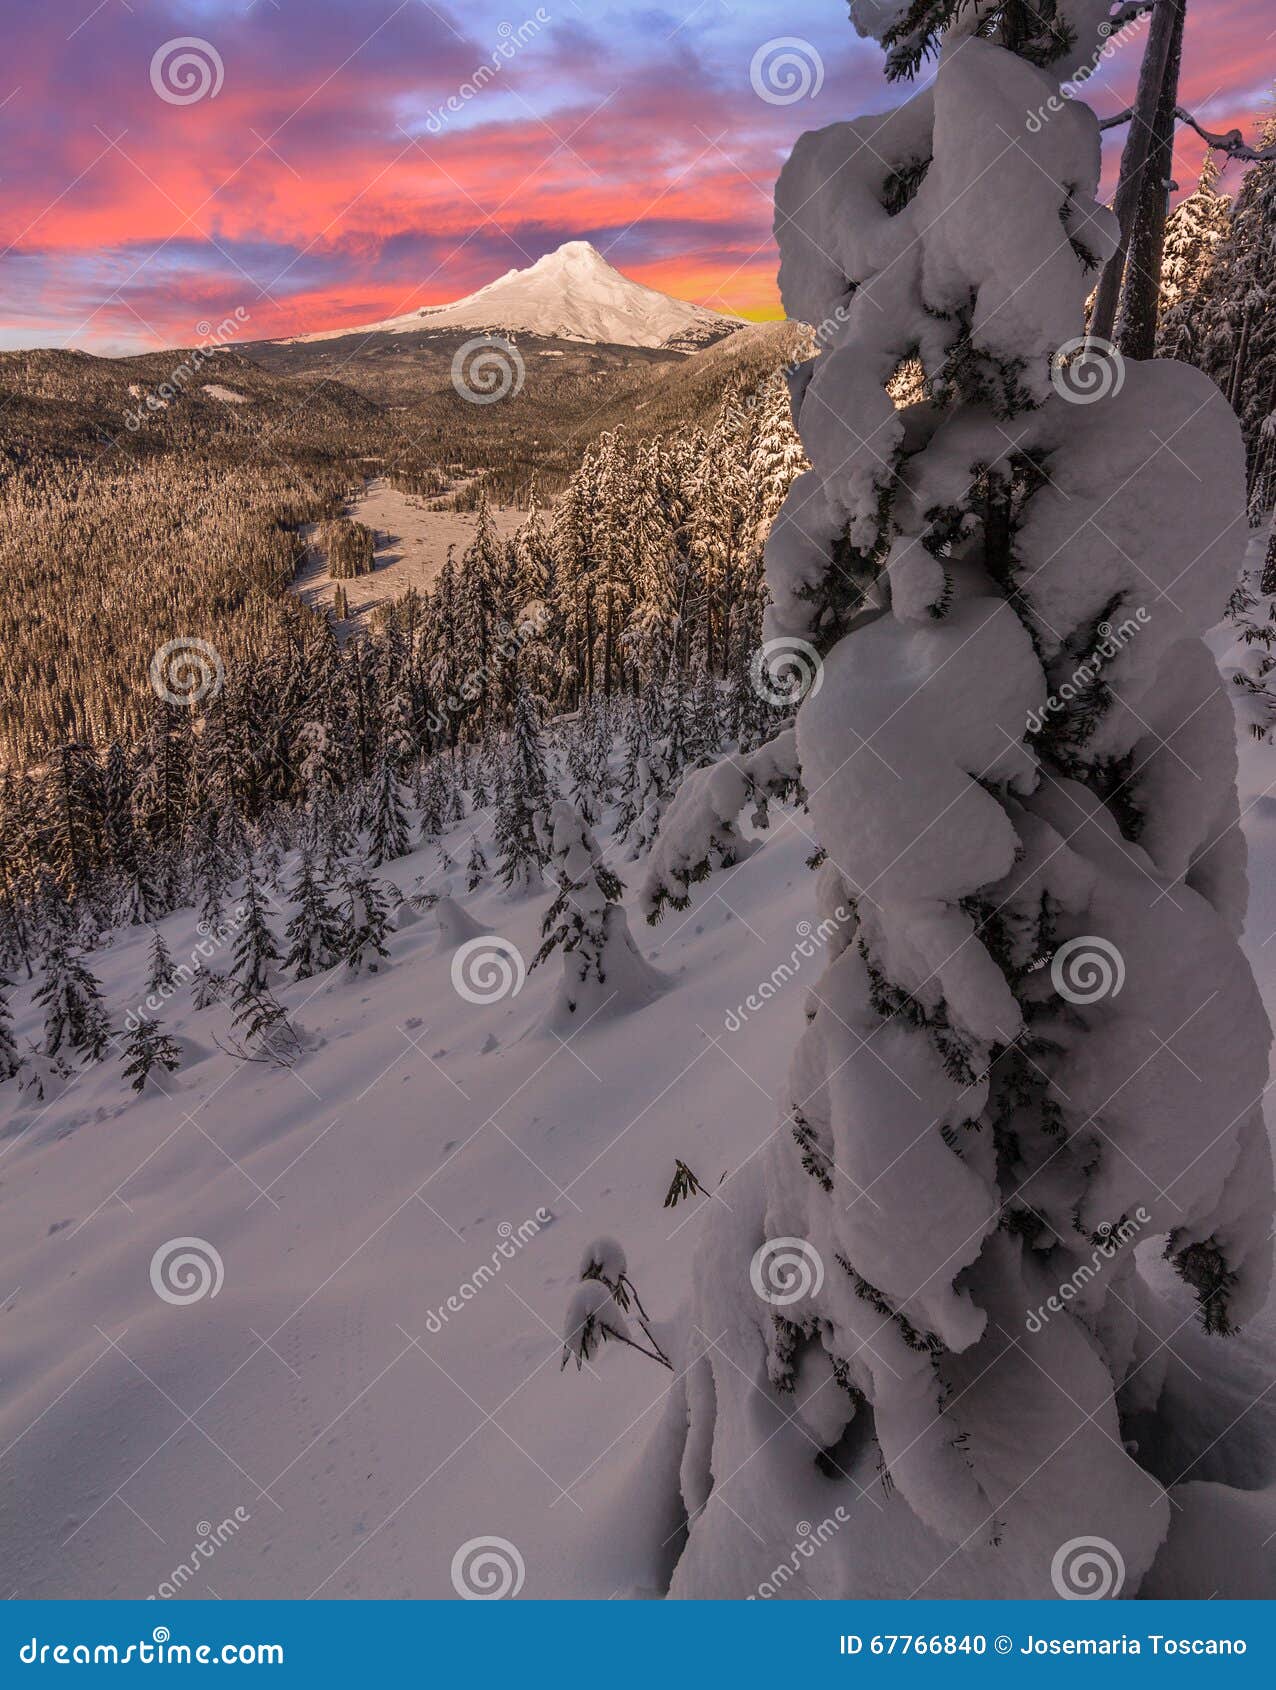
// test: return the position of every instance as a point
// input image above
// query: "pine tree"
(206, 986)
(520, 817)
(964, 1130)
(365, 925)
(314, 931)
(433, 799)
(72, 1002)
(602, 968)
(580, 771)
(1193, 238)
(210, 876)
(1234, 328)
(255, 950)
(645, 786)
(388, 824)
(10, 1058)
(476, 866)
(161, 973)
(146, 1048)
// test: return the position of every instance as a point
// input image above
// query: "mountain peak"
(571, 293)
(572, 252)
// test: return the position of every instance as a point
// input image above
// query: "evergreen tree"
(365, 925)
(206, 986)
(255, 950)
(434, 799)
(314, 932)
(146, 1048)
(1193, 238)
(476, 866)
(873, 1270)
(72, 1003)
(161, 973)
(10, 1059)
(388, 824)
(209, 875)
(580, 770)
(602, 968)
(520, 817)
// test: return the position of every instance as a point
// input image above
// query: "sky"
(313, 164)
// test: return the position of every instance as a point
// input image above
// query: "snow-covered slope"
(572, 293)
(375, 1383)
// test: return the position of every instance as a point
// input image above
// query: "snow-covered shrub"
(603, 1305)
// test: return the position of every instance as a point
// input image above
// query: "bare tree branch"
(1232, 143)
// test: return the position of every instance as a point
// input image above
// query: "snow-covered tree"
(365, 925)
(314, 930)
(433, 798)
(146, 1048)
(387, 821)
(1194, 235)
(256, 951)
(10, 1056)
(602, 967)
(476, 865)
(206, 986)
(72, 1003)
(965, 1129)
(521, 811)
(644, 786)
(161, 973)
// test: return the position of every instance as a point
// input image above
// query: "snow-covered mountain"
(572, 293)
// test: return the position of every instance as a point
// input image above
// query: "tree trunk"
(1138, 148)
(1141, 300)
